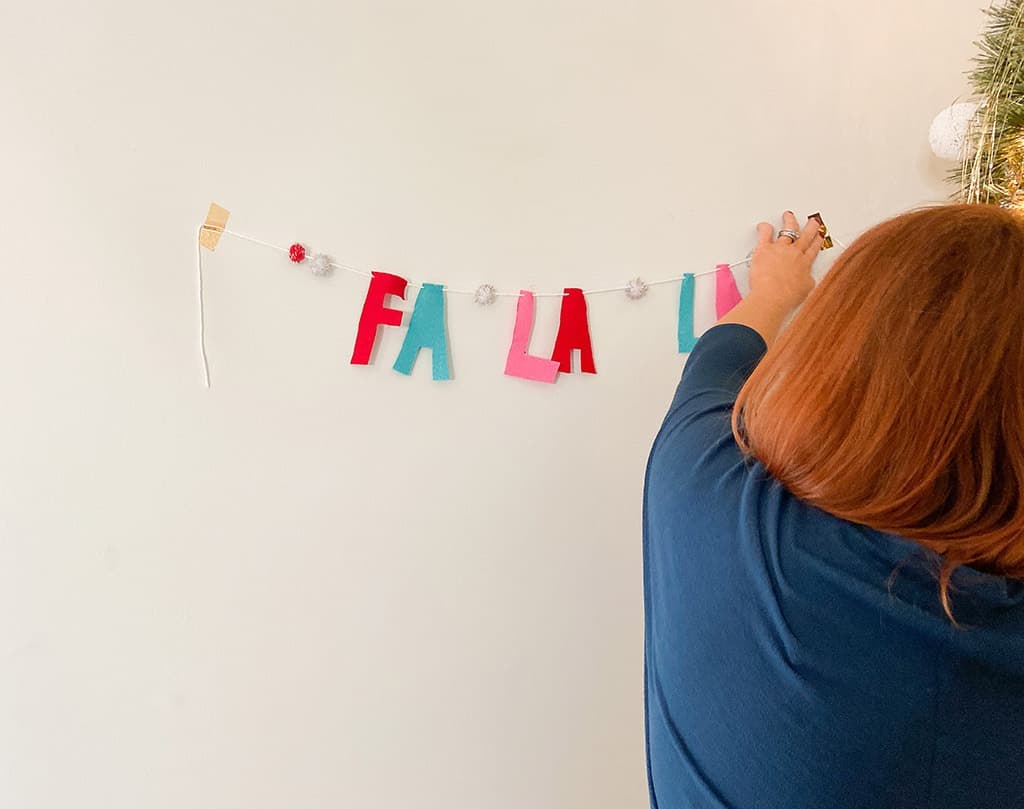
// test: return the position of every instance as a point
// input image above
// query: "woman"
(834, 530)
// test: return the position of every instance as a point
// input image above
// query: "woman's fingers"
(815, 246)
(807, 234)
(810, 236)
(789, 223)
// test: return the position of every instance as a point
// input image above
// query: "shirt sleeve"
(696, 441)
(719, 364)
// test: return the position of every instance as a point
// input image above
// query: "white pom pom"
(485, 295)
(320, 264)
(949, 130)
(636, 289)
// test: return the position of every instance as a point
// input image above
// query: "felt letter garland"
(726, 293)
(426, 330)
(687, 339)
(427, 319)
(573, 332)
(375, 313)
(520, 361)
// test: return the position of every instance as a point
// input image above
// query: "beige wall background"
(316, 585)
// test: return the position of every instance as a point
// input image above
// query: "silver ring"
(793, 235)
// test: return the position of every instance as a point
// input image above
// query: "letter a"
(426, 330)
(573, 332)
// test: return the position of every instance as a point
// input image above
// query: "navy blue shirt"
(780, 669)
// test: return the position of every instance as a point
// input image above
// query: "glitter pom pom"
(320, 264)
(950, 134)
(485, 295)
(297, 253)
(636, 289)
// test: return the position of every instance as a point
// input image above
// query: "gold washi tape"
(216, 221)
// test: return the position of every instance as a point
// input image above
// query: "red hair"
(895, 399)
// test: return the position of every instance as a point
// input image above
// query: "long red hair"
(895, 398)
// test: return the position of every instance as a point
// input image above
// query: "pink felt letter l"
(520, 362)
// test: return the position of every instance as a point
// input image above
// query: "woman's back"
(784, 665)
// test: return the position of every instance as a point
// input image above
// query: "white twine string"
(202, 312)
(338, 265)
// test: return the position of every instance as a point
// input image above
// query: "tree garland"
(985, 135)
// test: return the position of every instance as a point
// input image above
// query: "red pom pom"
(297, 253)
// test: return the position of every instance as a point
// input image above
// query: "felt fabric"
(520, 362)
(573, 333)
(375, 313)
(687, 339)
(726, 293)
(426, 330)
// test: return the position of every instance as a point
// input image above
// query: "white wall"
(323, 586)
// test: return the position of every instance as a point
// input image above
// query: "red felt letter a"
(573, 332)
(375, 313)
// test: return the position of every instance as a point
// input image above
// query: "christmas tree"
(992, 152)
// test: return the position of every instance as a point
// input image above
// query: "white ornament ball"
(320, 264)
(636, 289)
(949, 130)
(485, 295)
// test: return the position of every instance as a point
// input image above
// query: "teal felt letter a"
(426, 330)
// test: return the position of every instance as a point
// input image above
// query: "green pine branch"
(995, 173)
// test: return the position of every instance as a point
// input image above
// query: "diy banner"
(427, 323)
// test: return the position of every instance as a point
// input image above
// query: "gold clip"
(823, 230)
(216, 220)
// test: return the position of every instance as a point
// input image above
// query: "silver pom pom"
(485, 295)
(320, 264)
(636, 289)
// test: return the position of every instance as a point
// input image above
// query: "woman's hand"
(780, 277)
(780, 270)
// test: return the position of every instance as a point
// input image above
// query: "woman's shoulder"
(889, 576)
